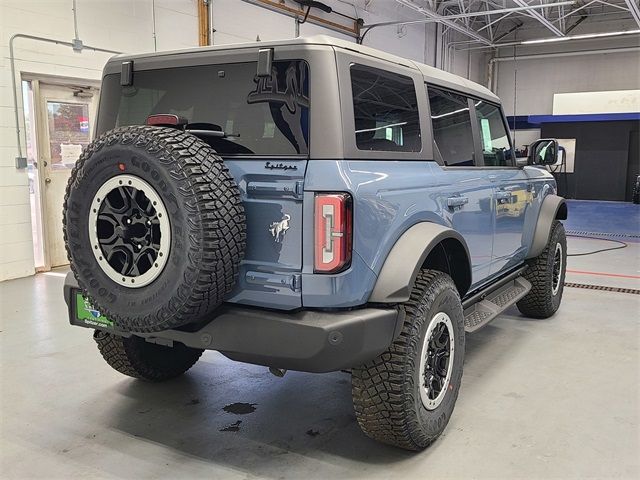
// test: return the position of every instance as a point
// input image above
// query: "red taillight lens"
(165, 119)
(333, 232)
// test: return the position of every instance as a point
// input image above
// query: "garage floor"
(540, 399)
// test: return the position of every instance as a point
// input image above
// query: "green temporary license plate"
(88, 315)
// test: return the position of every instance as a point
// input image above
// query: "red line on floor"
(602, 274)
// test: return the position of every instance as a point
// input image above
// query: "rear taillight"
(333, 232)
(166, 120)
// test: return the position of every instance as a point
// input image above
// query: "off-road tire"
(385, 390)
(206, 217)
(137, 358)
(541, 302)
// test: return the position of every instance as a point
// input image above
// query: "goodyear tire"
(546, 273)
(405, 396)
(154, 227)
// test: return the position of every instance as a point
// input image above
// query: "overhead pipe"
(12, 60)
(276, 6)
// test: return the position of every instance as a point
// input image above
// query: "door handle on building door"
(47, 180)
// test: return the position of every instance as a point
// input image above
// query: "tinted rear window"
(385, 110)
(260, 115)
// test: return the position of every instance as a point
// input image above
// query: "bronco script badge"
(278, 229)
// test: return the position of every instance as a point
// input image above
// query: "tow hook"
(278, 372)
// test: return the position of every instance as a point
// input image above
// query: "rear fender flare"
(407, 257)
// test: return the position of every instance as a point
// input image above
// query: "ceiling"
(492, 23)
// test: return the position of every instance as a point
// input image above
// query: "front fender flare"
(406, 258)
(553, 207)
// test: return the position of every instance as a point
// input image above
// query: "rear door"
(513, 191)
(465, 192)
(260, 127)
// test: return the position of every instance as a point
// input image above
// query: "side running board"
(479, 314)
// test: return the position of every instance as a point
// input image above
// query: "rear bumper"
(310, 341)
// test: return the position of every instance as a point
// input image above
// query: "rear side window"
(496, 148)
(452, 134)
(257, 115)
(385, 111)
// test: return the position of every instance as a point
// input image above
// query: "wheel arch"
(553, 208)
(424, 245)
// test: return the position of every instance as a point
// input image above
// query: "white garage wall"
(536, 81)
(128, 26)
(120, 25)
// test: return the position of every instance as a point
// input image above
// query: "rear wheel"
(135, 357)
(405, 396)
(546, 274)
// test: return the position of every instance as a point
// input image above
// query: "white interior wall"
(526, 87)
(536, 80)
(120, 25)
(236, 21)
(128, 26)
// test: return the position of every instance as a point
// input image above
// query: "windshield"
(255, 115)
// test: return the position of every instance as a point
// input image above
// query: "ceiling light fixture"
(580, 37)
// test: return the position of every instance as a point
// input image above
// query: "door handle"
(47, 180)
(492, 177)
(453, 202)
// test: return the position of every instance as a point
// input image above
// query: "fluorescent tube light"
(580, 37)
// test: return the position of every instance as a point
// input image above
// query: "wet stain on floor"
(240, 408)
(234, 427)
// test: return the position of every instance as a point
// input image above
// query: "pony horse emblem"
(278, 229)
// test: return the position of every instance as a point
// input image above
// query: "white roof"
(431, 74)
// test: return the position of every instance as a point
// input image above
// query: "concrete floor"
(557, 398)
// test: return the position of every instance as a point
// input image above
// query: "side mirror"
(544, 152)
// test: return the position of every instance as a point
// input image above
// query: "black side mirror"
(544, 152)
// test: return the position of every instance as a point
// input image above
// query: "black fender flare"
(408, 254)
(553, 207)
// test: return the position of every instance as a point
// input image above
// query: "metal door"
(65, 126)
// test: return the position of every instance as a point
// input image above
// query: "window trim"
(474, 129)
(391, 76)
(506, 127)
(477, 140)
(344, 60)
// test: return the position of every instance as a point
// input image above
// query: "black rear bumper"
(310, 341)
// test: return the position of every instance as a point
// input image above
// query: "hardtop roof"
(430, 74)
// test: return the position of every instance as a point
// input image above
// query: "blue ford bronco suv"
(312, 205)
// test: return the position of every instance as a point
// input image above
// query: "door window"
(68, 125)
(452, 133)
(496, 148)
(385, 111)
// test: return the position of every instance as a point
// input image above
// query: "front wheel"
(546, 274)
(405, 396)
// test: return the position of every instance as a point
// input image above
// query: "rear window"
(258, 115)
(385, 110)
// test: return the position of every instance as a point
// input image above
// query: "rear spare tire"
(154, 227)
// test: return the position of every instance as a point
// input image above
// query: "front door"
(65, 127)
(512, 189)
